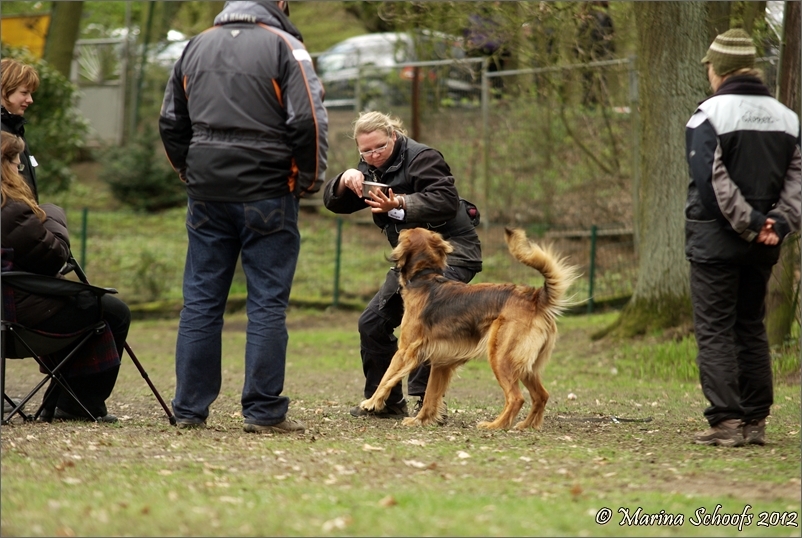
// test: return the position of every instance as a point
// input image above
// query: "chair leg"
(55, 376)
(48, 407)
(144, 374)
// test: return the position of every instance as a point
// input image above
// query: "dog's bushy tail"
(558, 273)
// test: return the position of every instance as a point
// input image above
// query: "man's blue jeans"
(266, 233)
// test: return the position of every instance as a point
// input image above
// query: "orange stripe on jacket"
(294, 173)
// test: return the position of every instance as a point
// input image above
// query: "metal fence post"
(634, 114)
(592, 269)
(84, 227)
(337, 258)
(486, 140)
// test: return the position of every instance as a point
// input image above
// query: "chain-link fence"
(343, 259)
(551, 149)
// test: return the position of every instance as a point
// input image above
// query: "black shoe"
(287, 425)
(441, 421)
(394, 411)
(63, 415)
(190, 424)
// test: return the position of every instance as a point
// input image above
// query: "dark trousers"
(377, 342)
(94, 389)
(734, 360)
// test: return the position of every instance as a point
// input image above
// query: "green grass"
(348, 477)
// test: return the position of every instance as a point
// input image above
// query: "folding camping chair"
(19, 341)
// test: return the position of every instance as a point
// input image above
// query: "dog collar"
(425, 272)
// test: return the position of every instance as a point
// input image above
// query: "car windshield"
(384, 50)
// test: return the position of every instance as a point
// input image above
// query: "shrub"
(140, 176)
(56, 131)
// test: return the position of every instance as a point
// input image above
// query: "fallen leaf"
(72, 481)
(462, 454)
(64, 464)
(165, 472)
(416, 464)
(388, 501)
(369, 448)
(338, 523)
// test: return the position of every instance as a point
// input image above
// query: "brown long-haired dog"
(447, 323)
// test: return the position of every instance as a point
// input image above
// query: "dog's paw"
(484, 425)
(411, 421)
(370, 405)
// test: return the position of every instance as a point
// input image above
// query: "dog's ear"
(440, 245)
(399, 252)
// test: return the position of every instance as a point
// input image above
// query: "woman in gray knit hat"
(744, 199)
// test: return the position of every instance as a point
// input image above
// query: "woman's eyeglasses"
(376, 151)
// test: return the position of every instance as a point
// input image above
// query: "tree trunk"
(65, 22)
(752, 12)
(781, 297)
(671, 82)
(718, 19)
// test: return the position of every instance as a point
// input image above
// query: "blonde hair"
(16, 74)
(370, 122)
(752, 71)
(13, 186)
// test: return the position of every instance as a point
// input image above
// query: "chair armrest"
(48, 285)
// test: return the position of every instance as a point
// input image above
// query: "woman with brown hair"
(19, 81)
(35, 239)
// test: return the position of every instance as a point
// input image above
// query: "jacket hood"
(258, 11)
(741, 85)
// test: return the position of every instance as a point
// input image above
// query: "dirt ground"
(578, 441)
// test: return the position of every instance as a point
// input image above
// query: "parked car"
(376, 62)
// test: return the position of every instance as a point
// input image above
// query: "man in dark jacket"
(744, 198)
(421, 193)
(243, 123)
(19, 81)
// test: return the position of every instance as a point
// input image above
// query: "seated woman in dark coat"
(35, 239)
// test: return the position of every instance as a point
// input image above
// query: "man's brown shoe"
(754, 432)
(287, 425)
(726, 433)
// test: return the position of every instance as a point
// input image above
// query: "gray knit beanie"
(731, 51)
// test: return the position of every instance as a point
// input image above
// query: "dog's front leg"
(433, 410)
(400, 366)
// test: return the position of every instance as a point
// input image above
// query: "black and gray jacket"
(422, 175)
(15, 124)
(743, 150)
(243, 116)
(36, 247)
